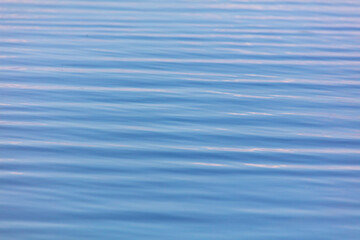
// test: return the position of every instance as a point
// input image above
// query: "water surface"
(202, 119)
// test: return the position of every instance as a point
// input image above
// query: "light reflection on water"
(203, 119)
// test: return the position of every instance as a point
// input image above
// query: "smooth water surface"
(180, 120)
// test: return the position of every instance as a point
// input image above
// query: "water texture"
(180, 120)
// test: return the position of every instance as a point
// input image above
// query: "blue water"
(180, 120)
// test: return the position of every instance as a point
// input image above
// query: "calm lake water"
(180, 120)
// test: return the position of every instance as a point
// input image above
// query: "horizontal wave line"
(231, 61)
(310, 167)
(108, 70)
(147, 31)
(188, 148)
(136, 7)
(318, 98)
(283, 166)
(311, 114)
(81, 88)
(284, 81)
(335, 62)
(272, 44)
